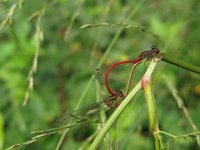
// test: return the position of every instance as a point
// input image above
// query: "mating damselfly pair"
(88, 115)
(82, 116)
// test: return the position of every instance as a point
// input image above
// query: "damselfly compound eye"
(153, 47)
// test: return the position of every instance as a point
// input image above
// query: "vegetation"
(51, 55)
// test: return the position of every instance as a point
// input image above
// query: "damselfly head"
(155, 49)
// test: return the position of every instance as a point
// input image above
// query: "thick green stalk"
(114, 117)
(151, 106)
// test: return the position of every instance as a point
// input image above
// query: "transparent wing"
(81, 115)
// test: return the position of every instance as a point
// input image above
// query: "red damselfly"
(145, 54)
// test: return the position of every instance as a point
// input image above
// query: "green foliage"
(48, 62)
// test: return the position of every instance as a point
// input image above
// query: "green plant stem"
(180, 63)
(168, 134)
(191, 135)
(113, 117)
(151, 106)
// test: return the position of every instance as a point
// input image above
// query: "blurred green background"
(68, 56)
